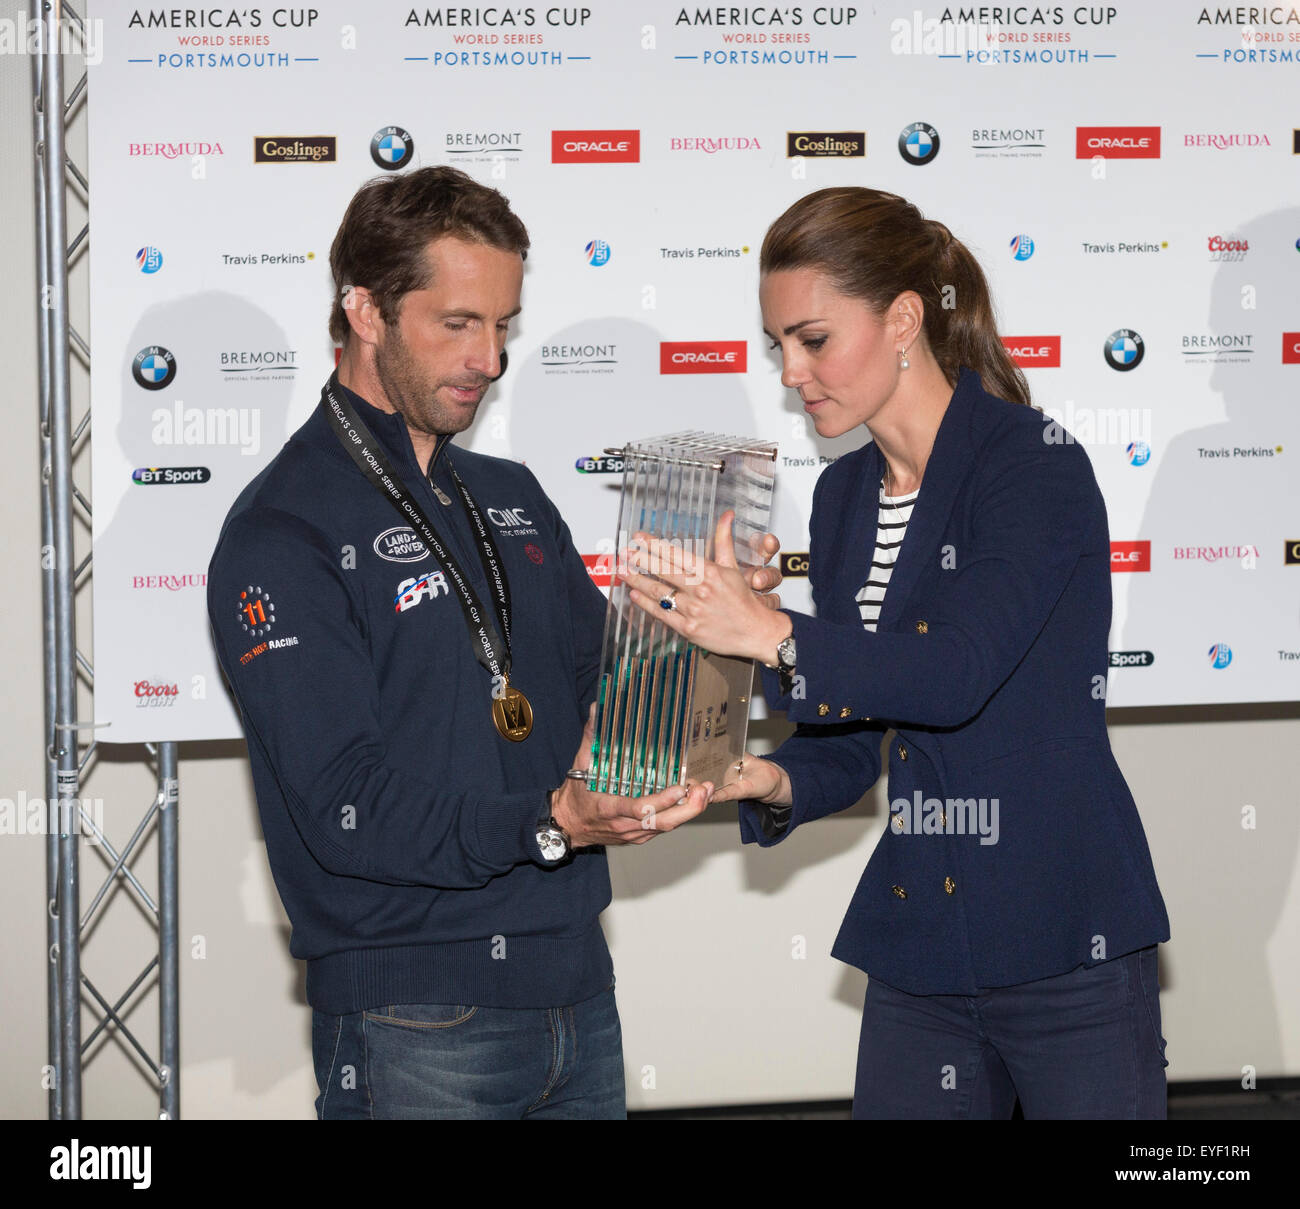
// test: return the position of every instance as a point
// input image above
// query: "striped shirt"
(891, 526)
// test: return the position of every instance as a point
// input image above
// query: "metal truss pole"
(65, 758)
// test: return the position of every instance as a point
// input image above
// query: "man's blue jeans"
(442, 1061)
(1084, 1045)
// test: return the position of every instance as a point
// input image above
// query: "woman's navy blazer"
(989, 662)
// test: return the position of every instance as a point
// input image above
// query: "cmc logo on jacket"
(1117, 142)
(595, 146)
(1130, 556)
(702, 357)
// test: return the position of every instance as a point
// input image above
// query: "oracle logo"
(1291, 348)
(702, 357)
(600, 567)
(1041, 352)
(1130, 556)
(1117, 142)
(595, 146)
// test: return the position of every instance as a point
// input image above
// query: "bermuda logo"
(918, 143)
(154, 367)
(1124, 349)
(392, 148)
(400, 545)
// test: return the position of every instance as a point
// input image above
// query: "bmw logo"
(919, 143)
(1022, 247)
(1124, 349)
(392, 148)
(154, 367)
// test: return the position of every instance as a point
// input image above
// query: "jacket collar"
(949, 461)
(391, 430)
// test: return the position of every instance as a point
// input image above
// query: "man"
(414, 645)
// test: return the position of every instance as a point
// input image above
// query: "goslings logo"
(154, 367)
(400, 545)
(702, 357)
(392, 148)
(819, 144)
(918, 143)
(1124, 349)
(794, 564)
(295, 149)
(256, 611)
(595, 146)
(1022, 247)
(1034, 352)
(1117, 142)
(148, 259)
(1130, 556)
(1291, 555)
(1220, 655)
(169, 476)
(598, 253)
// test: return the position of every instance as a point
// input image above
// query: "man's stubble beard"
(414, 396)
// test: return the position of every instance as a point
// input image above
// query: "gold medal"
(512, 715)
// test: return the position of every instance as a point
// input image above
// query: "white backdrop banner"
(1126, 173)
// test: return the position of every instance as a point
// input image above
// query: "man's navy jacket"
(399, 824)
(989, 662)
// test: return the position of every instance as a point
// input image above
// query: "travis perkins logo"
(819, 144)
(702, 357)
(294, 149)
(595, 146)
(1117, 142)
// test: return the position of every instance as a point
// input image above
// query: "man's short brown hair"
(390, 222)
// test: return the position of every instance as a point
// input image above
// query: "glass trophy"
(669, 711)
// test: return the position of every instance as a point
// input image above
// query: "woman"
(960, 568)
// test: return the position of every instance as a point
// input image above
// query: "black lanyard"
(490, 648)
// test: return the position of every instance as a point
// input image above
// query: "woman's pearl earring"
(904, 363)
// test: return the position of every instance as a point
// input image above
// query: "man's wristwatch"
(785, 656)
(552, 839)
